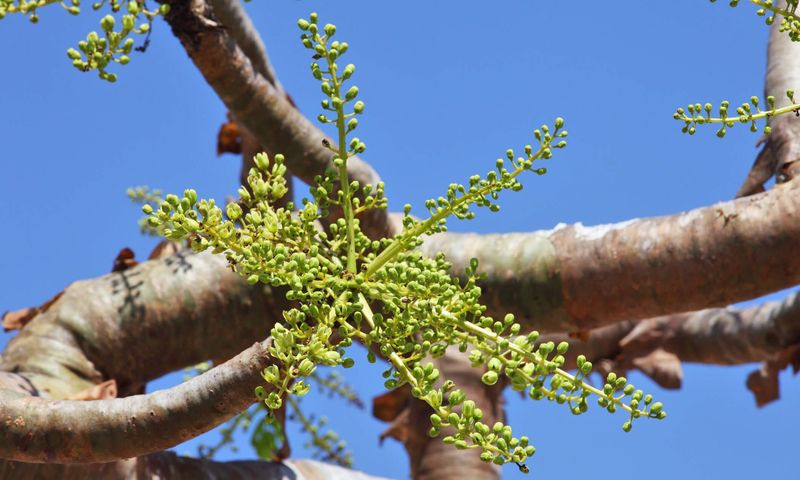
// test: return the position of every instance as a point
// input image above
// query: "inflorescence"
(748, 112)
(113, 44)
(383, 293)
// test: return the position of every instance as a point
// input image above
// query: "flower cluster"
(748, 112)
(113, 44)
(405, 307)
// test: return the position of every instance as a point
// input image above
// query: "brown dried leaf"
(102, 391)
(229, 139)
(764, 381)
(124, 260)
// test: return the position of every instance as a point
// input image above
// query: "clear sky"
(448, 87)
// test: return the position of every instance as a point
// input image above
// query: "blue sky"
(448, 87)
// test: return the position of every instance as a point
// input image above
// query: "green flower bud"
(128, 22)
(164, 9)
(303, 24)
(301, 388)
(107, 23)
(306, 367)
(436, 420)
(261, 394)
(273, 401)
(330, 29)
(132, 7)
(489, 378)
(351, 93)
(358, 107)
(331, 358)
(627, 426)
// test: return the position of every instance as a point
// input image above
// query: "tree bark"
(576, 278)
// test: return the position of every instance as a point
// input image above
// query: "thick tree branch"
(141, 323)
(575, 278)
(37, 430)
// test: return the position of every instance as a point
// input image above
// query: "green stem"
(344, 181)
(399, 244)
(495, 338)
(771, 7)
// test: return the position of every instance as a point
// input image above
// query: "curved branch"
(576, 278)
(38, 430)
(136, 325)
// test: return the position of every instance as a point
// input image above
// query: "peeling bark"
(575, 278)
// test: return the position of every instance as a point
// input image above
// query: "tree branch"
(575, 278)
(37, 430)
(136, 325)
(239, 26)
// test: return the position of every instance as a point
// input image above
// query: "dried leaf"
(102, 391)
(229, 139)
(764, 381)
(124, 260)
